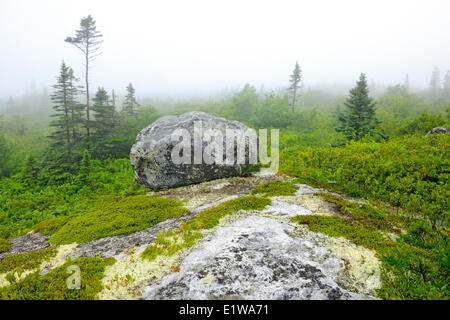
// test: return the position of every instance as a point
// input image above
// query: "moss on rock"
(27, 260)
(115, 217)
(4, 245)
(275, 188)
(53, 285)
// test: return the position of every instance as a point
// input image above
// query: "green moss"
(275, 188)
(27, 260)
(167, 243)
(4, 245)
(50, 226)
(337, 227)
(364, 214)
(53, 285)
(116, 216)
(209, 218)
(5, 233)
(408, 271)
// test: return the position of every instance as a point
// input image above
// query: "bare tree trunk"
(87, 93)
(293, 100)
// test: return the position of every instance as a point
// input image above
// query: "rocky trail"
(249, 255)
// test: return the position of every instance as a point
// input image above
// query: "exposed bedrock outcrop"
(255, 258)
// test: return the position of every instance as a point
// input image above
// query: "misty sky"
(183, 47)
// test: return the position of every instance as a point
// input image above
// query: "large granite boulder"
(152, 155)
(438, 130)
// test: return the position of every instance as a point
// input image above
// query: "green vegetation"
(359, 119)
(26, 261)
(366, 214)
(167, 243)
(415, 266)
(23, 205)
(53, 285)
(275, 188)
(409, 172)
(69, 176)
(112, 217)
(4, 245)
(209, 218)
(337, 227)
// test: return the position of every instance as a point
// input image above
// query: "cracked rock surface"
(26, 243)
(255, 258)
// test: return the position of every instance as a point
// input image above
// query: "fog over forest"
(211, 49)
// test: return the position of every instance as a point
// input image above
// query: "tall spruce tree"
(105, 123)
(295, 84)
(5, 154)
(446, 86)
(88, 39)
(435, 83)
(130, 104)
(359, 118)
(65, 105)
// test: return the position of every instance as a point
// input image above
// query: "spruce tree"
(63, 98)
(88, 39)
(295, 81)
(104, 114)
(359, 119)
(446, 86)
(85, 168)
(435, 83)
(30, 171)
(130, 104)
(104, 125)
(5, 155)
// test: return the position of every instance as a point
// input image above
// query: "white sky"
(173, 47)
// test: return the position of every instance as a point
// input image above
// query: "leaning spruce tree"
(295, 80)
(359, 119)
(88, 40)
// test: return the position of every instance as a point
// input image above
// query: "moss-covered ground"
(53, 285)
(415, 266)
(110, 218)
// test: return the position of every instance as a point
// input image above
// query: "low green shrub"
(409, 172)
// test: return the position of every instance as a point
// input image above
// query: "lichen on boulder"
(152, 153)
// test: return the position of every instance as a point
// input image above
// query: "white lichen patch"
(313, 204)
(59, 259)
(361, 268)
(140, 273)
(286, 209)
(46, 266)
(18, 277)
